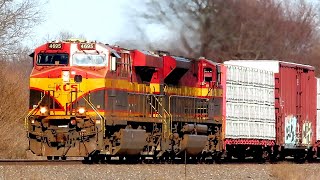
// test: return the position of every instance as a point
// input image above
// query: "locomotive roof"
(178, 58)
(269, 65)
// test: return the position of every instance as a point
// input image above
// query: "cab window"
(81, 59)
(52, 59)
(207, 72)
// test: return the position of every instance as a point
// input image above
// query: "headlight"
(43, 110)
(81, 111)
(65, 76)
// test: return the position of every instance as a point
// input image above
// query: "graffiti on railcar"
(307, 133)
(290, 130)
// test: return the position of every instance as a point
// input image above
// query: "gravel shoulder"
(147, 171)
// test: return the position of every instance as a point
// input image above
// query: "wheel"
(241, 157)
(49, 158)
(63, 158)
(95, 159)
(300, 158)
(132, 159)
(86, 160)
(217, 158)
(121, 159)
(155, 159)
(108, 159)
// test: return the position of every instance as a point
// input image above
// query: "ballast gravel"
(161, 171)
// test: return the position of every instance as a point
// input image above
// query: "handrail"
(165, 122)
(179, 96)
(26, 123)
(162, 116)
(97, 112)
(154, 108)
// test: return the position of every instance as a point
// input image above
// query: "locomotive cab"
(65, 115)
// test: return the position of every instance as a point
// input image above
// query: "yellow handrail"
(166, 132)
(26, 123)
(97, 112)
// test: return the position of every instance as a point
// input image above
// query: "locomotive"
(98, 101)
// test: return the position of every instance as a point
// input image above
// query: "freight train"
(98, 101)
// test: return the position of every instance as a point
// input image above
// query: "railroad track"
(37, 162)
(115, 162)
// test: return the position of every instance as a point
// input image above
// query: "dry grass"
(294, 171)
(13, 107)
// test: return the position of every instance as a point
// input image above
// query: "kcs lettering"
(67, 87)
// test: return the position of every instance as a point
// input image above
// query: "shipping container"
(249, 103)
(295, 101)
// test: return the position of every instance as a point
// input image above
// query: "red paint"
(55, 72)
(67, 87)
(145, 59)
(249, 142)
(169, 64)
(224, 98)
(58, 87)
(295, 95)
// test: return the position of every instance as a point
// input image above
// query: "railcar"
(291, 128)
(97, 101)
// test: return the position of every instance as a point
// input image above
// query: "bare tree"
(62, 35)
(17, 18)
(246, 29)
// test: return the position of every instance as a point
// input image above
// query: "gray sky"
(108, 21)
(103, 20)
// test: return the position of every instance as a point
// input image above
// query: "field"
(214, 171)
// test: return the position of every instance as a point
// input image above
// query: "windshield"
(89, 60)
(52, 59)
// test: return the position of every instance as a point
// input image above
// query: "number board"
(55, 46)
(87, 46)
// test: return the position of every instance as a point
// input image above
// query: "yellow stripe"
(96, 83)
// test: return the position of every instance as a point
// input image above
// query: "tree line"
(239, 29)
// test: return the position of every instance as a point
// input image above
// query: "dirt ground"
(147, 171)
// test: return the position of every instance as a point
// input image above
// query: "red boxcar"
(295, 103)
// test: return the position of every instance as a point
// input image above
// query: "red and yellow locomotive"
(93, 100)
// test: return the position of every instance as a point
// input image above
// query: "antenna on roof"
(162, 53)
(75, 40)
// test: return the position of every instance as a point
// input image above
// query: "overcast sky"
(103, 20)
(108, 21)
